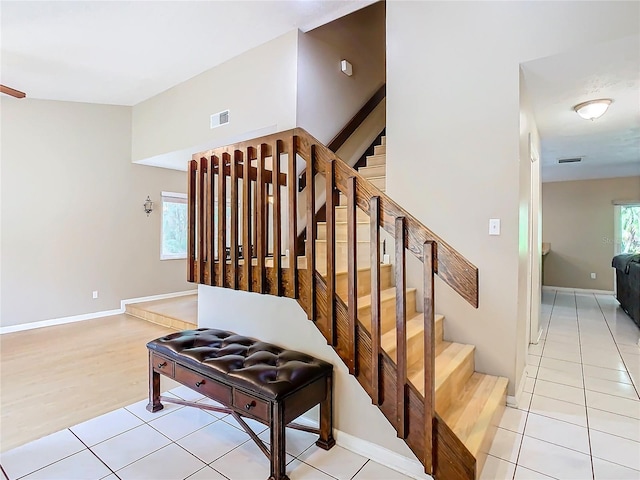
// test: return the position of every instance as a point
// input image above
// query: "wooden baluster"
(210, 232)
(246, 221)
(330, 178)
(191, 220)
(261, 215)
(277, 219)
(202, 219)
(222, 220)
(233, 172)
(429, 355)
(401, 329)
(352, 274)
(292, 175)
(374, 218)
(312, 229)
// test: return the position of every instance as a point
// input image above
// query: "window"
(629, 230)
(174, 226)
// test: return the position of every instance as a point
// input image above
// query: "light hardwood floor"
(56, 377)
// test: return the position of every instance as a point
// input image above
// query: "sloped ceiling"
(123, 52)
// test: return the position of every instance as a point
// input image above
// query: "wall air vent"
(219, 118)
(570, 160)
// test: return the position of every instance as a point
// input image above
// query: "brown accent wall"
(578, 222)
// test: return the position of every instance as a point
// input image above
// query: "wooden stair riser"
(383, 140)
(449, 384)
(380, 150)
(363, 231)
(373, 171)
(415, 339)
(387, 312)
(364, 281)
(341, 215)
(363, 257)
(158, 318)
(378, 182)
(376, 160)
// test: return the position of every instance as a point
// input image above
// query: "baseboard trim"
(58, 321)
(384, 456)
(578, 290)
(514, 400)
(90, 316)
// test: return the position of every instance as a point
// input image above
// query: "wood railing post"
(331, 251)
(401, 329)
(374, 218)
(292, 176)
(233, 230)
(261, 251)
(352, 272)
(246, 221)
(210, 226)
(312, 229)
(222, 220)
(277, 218)
(191, 220)
(429, 356)
(202, 219)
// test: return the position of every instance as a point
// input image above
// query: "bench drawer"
(204, 385)
(163, 365)
(251, 405)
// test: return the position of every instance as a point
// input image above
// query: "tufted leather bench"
(249, 378)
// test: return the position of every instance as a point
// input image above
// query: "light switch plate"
(494, 226)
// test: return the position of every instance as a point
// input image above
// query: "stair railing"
(242, 235)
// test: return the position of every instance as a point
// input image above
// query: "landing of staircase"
(180, 313)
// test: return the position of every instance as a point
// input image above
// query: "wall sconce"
(148, 206)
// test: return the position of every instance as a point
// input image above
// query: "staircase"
(386, 333)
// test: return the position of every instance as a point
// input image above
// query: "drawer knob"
(201, 382)
(249, 406)
(163, 364)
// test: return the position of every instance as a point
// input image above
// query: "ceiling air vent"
(219, 118)
(570, 160)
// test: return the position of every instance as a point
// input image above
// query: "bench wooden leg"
(278, 443)
(326, 440)
(154, 389)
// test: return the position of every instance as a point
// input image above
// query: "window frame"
(170, 197)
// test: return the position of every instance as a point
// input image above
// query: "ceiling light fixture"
(593, 108)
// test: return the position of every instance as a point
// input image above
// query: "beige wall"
(72, 217)
(453, 139)
(258, 87)
(578, 221)
(327, 98)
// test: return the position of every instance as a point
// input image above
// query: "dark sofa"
(628, 284)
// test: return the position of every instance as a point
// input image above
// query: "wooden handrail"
(220, 254)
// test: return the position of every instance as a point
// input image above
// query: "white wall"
(282, 321)
(453, 138)
(72, 216)
(258, 87)
(327, 98)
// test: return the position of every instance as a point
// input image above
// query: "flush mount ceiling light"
(593, 108)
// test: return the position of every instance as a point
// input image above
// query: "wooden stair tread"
(476, 410)
(448, 360)
(415, 327)
(385, 295)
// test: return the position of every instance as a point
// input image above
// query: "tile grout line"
(617, 347)
(584, 389)
(526, 418)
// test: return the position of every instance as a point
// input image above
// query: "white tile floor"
(178, 443)
(580, 415)
(579, 418)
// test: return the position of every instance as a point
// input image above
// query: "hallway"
(579, 417)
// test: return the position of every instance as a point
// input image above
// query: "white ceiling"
(610, 145)
(122, 53)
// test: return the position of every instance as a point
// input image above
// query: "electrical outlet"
(95, 294)
(593, 276)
